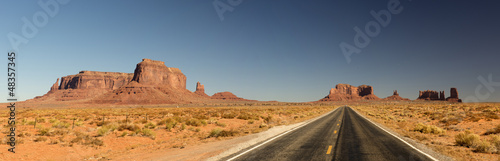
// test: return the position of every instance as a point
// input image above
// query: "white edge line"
(293, 129)
(432, 158)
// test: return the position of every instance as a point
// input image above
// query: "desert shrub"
(40, 139)
(428, 129)
(60, 132)
(142, 121)
(214, 132)
(183, 127)
(247, 116)
(196, 122)
(150, 125)
(53, 120)
(59, 124)
(229, 115)
(484, 147)
(130, 127)
(45, 131)
(30, 123)
(467, 139)
(149, 133)
(495, 141)
(40, 120)
(495, 130)
(200, 116)
(102, 131)
(124, 134)
(221, 124)
(268, 119)
(55, 141)
(453, 120)
(100, 123)
(225, 133)
(78, 123)
(85, 139)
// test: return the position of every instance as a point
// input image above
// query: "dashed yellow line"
(329, 149)
(335, 132)
(338, 124)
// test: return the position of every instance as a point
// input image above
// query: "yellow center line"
(329, 149)
(335, 132)
(338, 124)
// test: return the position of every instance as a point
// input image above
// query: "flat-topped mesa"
(430, 95)
(434, 95)
(200, 90)
(346, 92)
(94, 79)
(155, 73)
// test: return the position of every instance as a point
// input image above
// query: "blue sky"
(264, 50)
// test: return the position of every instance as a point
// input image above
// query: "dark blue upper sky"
(285, 50)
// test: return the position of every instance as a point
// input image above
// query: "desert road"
(341, 135)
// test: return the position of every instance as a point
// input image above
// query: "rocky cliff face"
(429, 95)
(434, 95)
(155, 73)
(453, 96)
(346, 92)
(151, 83)
(93, 80)
(55, 86)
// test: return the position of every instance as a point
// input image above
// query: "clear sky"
(285, 50)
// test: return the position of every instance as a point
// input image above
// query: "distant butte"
(434, 95)
(151, 83)
(346, 92)
(395, 97)
(154, 83)
(227, 96)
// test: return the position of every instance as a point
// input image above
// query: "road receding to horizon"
(341, 135)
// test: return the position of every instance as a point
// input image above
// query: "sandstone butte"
(395, 97)
(154, 83)
(434, 95)
(346, 92)
(151, 83)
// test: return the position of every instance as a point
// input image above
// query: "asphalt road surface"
(340, 135)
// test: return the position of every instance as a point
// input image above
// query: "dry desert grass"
(101, 133)
(464, 131)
